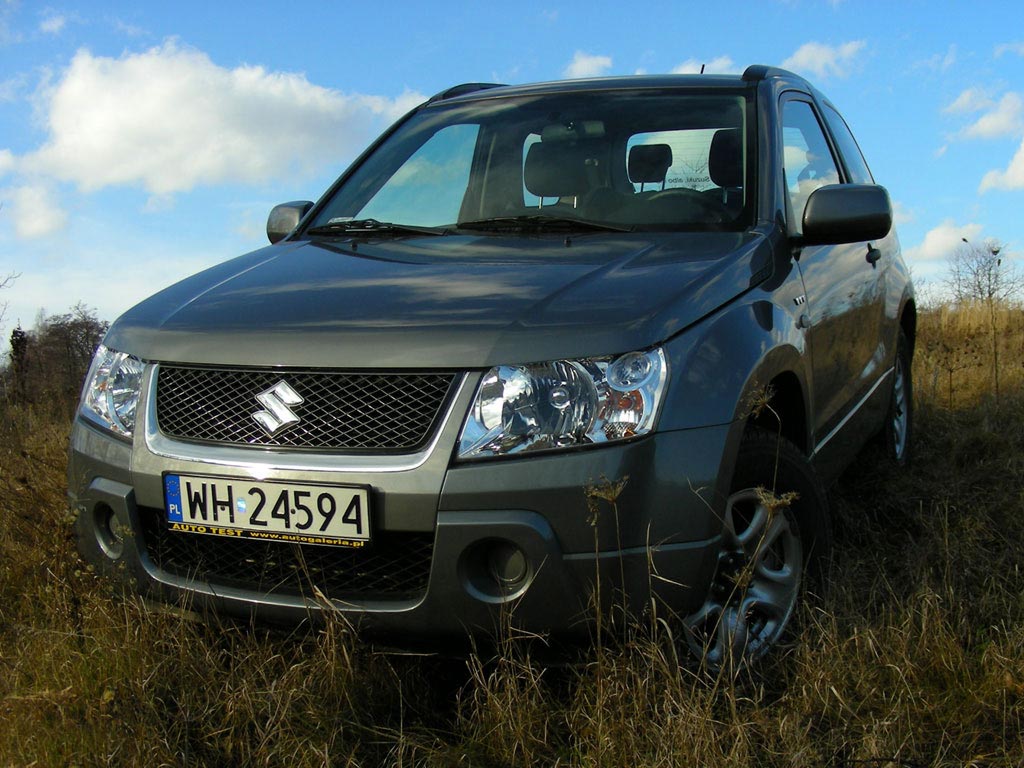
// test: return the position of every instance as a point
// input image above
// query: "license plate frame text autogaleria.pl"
(301, 513)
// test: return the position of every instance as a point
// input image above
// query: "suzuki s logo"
(277, 415)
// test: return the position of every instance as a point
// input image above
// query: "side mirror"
(846, 213)
(286, 217)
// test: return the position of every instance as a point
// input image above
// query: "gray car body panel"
(451, 302)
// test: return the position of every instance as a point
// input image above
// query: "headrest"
(648, 163)
(725, 160)
(555, 169)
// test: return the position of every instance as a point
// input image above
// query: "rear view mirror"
(846, 213)
(285, 217)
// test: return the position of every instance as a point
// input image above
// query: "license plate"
(286, 512)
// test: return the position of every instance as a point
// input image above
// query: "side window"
(807, 161)
(854, 158)
(429, 187)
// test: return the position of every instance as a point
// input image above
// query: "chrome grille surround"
(341, 411)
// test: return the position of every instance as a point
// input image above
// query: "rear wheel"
(775, 536)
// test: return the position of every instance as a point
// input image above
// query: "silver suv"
(536, 339)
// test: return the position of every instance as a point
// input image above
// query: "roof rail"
(459, 90)
(756, 72)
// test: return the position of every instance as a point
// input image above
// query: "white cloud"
(53, 24)
(6, 162)
(1017, 48)
(1011, 178)
(901, 214)
(720, 65)
(822, 60)
(251, 224)
(170, 119)
(130, 30)
(158, 203)
(11, 88)
(1006, 119)
(940, 62)
(970, 100)
(794, 157)
(34, 211)
(587, 65)
(941, 241)
(949, 59)
(7, 36)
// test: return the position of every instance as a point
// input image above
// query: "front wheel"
(775, 535)
(900, 419)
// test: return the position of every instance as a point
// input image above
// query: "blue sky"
(140, 141)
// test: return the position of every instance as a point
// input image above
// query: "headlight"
(564, 403)
(111, 392)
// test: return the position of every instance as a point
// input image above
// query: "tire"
(772, 545)
(899, 421)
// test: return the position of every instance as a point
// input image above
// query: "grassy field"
(915, 657)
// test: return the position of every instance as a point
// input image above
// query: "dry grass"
(916, 657)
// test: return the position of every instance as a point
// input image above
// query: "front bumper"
(520, 542)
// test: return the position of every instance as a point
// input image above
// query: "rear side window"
(856, 166)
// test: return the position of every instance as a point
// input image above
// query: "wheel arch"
(783, 410)
(908, 322)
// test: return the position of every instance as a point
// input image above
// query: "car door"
(843, 311)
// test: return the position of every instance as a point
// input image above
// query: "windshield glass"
(633, 160)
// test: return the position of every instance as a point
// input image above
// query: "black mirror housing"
(285, 217)
(846, 213)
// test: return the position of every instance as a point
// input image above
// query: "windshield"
(628, 160)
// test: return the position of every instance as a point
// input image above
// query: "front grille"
(373, 413)
(396, 566)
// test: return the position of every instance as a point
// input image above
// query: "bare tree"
(6, 283)
(980, 274)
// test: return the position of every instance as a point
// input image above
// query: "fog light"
(495, 570)
(506, 563)
(109, 531)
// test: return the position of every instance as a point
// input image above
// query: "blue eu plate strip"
(172, 492)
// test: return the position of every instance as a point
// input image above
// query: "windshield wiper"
(371, 227)
(538, 222)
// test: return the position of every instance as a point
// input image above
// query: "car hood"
(442, 302)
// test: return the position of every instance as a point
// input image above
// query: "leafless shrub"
(48, 363)
(983, 275)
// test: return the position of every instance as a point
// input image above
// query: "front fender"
(718, 367)
(721, 366)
